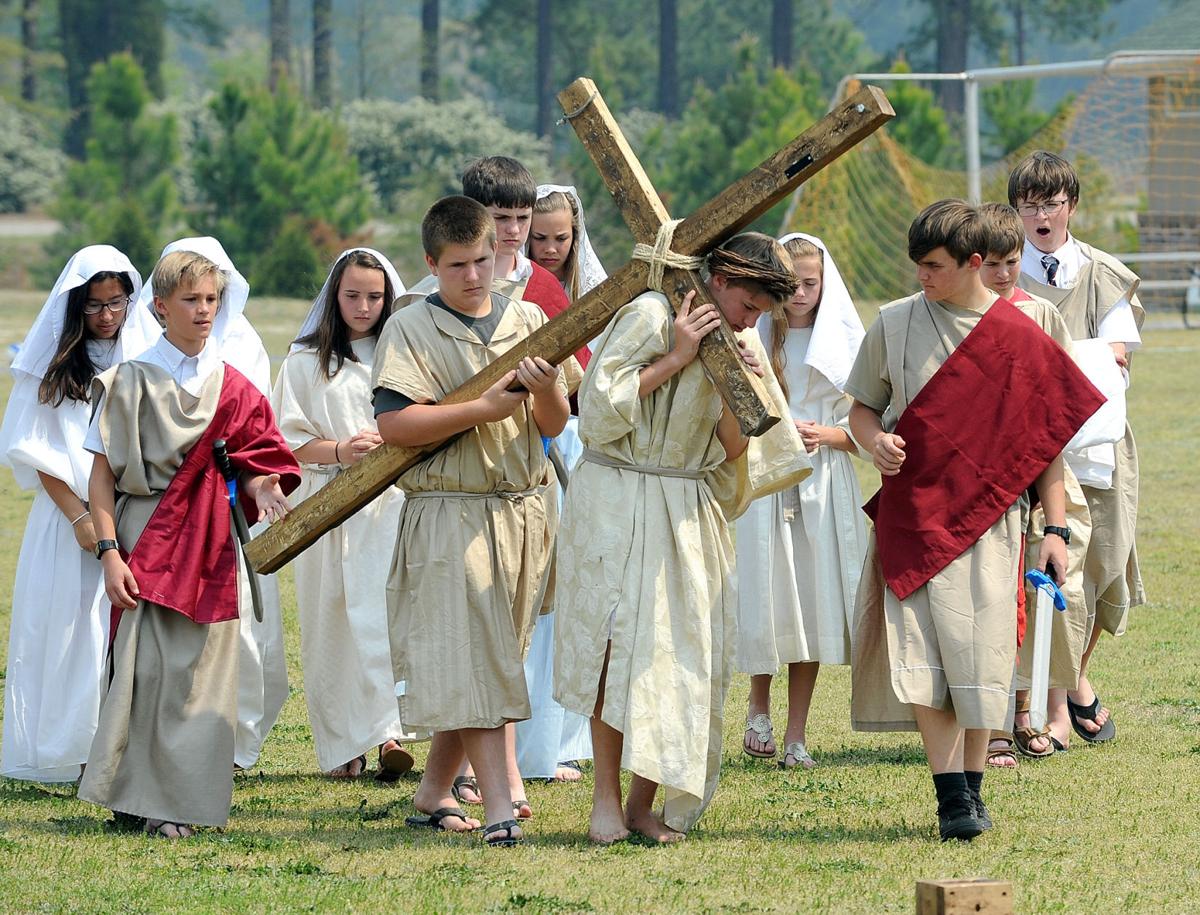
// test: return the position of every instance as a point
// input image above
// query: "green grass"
(1112, 829)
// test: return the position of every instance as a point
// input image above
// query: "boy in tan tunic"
(477, 527)
(164, 750)
(936, 650)
(1097, 297)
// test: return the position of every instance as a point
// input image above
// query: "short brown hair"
(185, 268)
(952, 224)
(456, 220)
(1041, 175)
(1003, 232)
(756, 262)
(499, 181)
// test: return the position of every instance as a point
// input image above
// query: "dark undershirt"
(388, 401)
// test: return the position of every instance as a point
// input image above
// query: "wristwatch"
(104, 546)
(1064, 532)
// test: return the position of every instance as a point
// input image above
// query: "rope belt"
(473, 496)
(603, 460)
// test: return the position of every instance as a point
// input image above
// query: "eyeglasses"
(116, 306)
(1050, 207)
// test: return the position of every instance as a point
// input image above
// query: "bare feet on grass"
(607, 824)
(651, 825)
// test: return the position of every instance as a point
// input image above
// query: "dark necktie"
(1050, 265)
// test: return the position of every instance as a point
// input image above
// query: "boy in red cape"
(983, 401)
(163, 752)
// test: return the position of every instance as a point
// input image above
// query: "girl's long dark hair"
(331, 339)
(69, 374)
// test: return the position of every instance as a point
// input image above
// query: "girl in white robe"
(58, 637)
(262, 667)
(322, 403)
(800, 552)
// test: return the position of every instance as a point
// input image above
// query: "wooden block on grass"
(958, 897)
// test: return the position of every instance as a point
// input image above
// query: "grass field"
(1113, 829)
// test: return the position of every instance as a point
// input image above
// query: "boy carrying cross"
(477, 527)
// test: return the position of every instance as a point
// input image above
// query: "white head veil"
(40, 437)
(41, 343)
(591, 271)
(318, 305)
(838, 330)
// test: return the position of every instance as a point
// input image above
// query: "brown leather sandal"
(1008, 750)
(1024, 736)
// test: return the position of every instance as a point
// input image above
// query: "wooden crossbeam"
(725, 215)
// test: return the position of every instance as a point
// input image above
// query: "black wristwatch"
(1064, 532)
(104, 546)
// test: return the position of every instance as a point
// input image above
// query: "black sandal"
(492, 834)
(469, 782)
(434, 820)
(394, 763)
(1107, 731)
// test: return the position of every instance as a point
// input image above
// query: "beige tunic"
(645, 559)
(951, 644)
(164, 745)
(1112, 581)
(341, 581)
(475, 535)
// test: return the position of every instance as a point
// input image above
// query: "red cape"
(185, 557)
(547, 294)
(977, 435)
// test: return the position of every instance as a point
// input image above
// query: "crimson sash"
(980, 432)
(185, 559)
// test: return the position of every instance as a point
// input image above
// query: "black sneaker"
(957, 819)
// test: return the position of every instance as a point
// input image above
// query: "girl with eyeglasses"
(60, 621)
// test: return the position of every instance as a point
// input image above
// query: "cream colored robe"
(164, 747)
(951, 644)
(645, 560)
(341, 581)
(1112, 577)
(476, 532)
(800, 553)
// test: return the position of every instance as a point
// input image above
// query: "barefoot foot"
(652, 826)
(607, 826)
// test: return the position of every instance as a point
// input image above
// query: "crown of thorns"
(778, 284)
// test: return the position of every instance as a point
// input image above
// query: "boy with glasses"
(1097, 297)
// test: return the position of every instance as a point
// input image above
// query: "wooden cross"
(719, 219)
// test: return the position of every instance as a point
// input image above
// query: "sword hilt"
(223, 463)
(1041, 581)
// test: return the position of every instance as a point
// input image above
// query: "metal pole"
(971, 109)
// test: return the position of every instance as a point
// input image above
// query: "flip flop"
(761, 726)
(507, 839)
(469, 782)
(1106, 733)
(434, 820)
(517, 805)
(394, 762)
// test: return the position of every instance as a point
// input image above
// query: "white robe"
(58, 637)
(800, 553)
(341, 580)
(551, 734)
